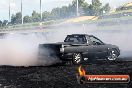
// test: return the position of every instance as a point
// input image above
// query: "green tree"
(96, 7)
(106, 8)
(16, 19)
(86, 9)
(27, 19)
(64, 12)
(13, 18)
(0, 23)
(93, 9)
(46, 16)
(35, 16)
(82, 5)
(5, 22)
(55, 13)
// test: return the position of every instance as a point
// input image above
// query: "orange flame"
(81, 71)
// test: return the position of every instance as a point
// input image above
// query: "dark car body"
(88, 46)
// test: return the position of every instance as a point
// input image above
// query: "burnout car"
(78, 48)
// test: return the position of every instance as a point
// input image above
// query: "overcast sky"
(47, 5)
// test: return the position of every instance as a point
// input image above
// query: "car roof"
(80, 35)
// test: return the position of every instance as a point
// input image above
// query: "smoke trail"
(22, 50)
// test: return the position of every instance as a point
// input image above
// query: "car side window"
(73, 40)
(96, 41)
(76, 39)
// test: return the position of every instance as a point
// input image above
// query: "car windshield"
(96, 40)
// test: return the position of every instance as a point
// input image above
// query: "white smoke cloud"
(22, 50)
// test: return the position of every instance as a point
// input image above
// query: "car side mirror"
(97, 43)
(94, 43)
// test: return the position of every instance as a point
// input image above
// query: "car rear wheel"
(112, 55)
(77, 58)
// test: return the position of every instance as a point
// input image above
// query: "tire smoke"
(21, 49)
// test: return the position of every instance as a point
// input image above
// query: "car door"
(80, 44)
(100, 49)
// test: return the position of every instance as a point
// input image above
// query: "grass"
(27, 26)
(30, 25)
(106, 20)
(122, 11)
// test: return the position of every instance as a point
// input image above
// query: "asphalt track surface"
(61, 76)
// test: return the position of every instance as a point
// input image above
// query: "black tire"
(77, 58)
(113, 54)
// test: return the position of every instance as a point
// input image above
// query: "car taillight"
(62, 49)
